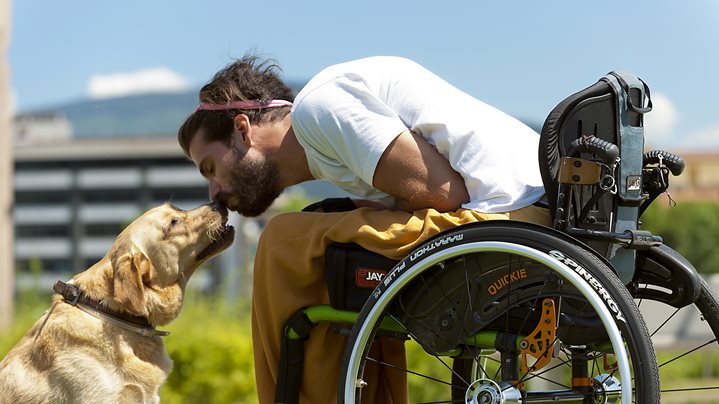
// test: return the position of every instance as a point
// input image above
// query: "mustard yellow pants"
(289, 275)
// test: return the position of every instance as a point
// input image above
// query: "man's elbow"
(451, 200)
(441, 198)
(451, 204)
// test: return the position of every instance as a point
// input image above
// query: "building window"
(110, 195)
(38, 265)
(42, 197)
(44, 231)
(103, 229)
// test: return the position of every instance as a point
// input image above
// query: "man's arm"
(418, 176)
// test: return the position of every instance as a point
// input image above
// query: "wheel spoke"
(393, 366)
(665, 322)
(690, 389)
(539, 375)
(688, 352)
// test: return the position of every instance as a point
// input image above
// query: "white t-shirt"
(348, 114)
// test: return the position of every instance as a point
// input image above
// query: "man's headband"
(248, 104)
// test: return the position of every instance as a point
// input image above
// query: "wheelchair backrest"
(591, 160)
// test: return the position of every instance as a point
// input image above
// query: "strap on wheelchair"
(631, 93)
(292, 354)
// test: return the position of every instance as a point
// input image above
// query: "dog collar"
(74, 296)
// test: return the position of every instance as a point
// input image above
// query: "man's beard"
(253, 186)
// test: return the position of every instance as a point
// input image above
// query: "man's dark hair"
(248, 78)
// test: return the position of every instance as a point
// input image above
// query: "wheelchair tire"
(709, 308)
(585, 291)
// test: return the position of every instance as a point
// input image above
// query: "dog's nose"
(218, 206)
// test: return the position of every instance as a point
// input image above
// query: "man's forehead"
(197, 146)
(201, 150)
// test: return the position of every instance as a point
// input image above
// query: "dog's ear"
(129, 269)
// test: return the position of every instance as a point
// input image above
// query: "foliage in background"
(29, 307)
(294, 202)
(691, 228)
(210, 345)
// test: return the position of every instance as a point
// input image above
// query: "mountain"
(152, 114)
(136, 115)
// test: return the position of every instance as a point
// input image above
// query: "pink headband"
(249, 104)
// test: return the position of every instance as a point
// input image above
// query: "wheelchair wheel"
(685, 339)
(506, 302)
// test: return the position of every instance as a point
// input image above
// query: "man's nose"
(213, 188)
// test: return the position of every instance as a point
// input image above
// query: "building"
(84, 170)
(41, 127)
(72, 198)
(700, 179)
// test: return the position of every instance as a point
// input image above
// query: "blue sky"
(521, 56)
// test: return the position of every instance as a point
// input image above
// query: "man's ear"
(128, 288)
(243, 128)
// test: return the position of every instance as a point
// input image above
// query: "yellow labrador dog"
(98, 343)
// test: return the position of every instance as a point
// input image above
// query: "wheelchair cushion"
(586, 112)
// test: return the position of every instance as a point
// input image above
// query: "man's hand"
(418, 176)
(331, 205)
(343, 205)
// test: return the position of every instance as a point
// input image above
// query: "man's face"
(237, 176)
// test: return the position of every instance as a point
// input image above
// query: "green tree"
(691, 228)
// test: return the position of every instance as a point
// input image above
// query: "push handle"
(639, 109)
(674, 163)
(606, 151)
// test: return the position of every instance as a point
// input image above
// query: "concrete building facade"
(73, 198)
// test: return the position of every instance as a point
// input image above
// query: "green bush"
(691, 228)
(705, 365)
(210, 345)
(29, 307)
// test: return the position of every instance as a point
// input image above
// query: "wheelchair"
(510, 312)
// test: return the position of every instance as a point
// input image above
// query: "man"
(421, 155)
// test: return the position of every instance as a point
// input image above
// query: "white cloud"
(158, 79)
(661, 129)
(706, 139)
(659, 124)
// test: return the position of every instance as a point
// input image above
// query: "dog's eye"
(174, 221)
